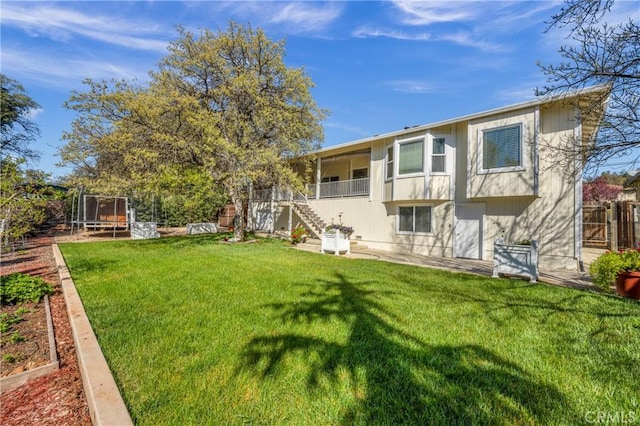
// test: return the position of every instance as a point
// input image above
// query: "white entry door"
(468, 230)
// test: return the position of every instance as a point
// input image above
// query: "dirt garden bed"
(57, 398)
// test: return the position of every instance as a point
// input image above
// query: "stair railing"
(300, 202)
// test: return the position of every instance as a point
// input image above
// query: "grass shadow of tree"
(396, 378)
(610, 332)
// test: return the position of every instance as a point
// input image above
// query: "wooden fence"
(595, 226)
(612, 225)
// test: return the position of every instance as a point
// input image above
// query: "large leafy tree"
(22, 205)
(22, 208)
(17, 128)
(222, 103)
(600, 189)
(598, 52)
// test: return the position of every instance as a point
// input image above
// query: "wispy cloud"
(516, 14)
(64, 72)
(307, 15)
(64, 25)
(409, 86)
(354, 130)
(464, 38)
(525, 91)
(290, 17)
(465, 21)
(620, 13)
(432, 12)
(481, 25)
(366, 32)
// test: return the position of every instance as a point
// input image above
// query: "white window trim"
(399, 232)
(446, 156)
(480, 142)
(399, 142)
(388, 178)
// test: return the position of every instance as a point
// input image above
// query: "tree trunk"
(238, 217)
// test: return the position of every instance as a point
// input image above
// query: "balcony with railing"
(339, 189)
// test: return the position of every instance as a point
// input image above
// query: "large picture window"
(502, 147)
(411, 157)
(414, 219)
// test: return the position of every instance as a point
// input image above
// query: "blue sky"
(377, 66)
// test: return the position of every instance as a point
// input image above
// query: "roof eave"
(468, 117)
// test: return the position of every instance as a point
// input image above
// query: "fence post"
(614, 227)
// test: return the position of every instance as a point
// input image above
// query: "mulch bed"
(58, 398)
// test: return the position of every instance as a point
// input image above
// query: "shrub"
(606, 268)
(9, 358)
(20, 288)
(7, 320)
(298, 235)
(347, 230)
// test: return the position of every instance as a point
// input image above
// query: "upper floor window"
(328, 179)
(389, 162)
(360, 173)
(438, 156)
(411, 157)
(502, 147)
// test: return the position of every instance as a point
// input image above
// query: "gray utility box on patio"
(515, 259)
(144, 230)
(202, 228)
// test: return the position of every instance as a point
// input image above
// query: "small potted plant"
(298, 235)
(621, 267)
(346, 230)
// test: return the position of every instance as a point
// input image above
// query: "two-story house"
(452, 187)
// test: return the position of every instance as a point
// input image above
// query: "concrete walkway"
(559, 277)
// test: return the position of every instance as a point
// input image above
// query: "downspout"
(453, 162)
(426, 165)
(395, 169)
(536, 152)
(577, 176)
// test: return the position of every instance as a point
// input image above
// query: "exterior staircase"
(313, 220)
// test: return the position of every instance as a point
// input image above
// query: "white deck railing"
(339, 189)
(342, 188)
(270, 194)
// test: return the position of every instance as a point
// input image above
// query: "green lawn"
(201, 332)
